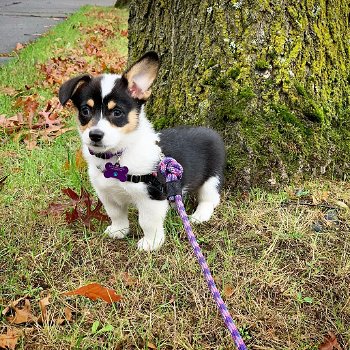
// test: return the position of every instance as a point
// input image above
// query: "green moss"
(261, 65)
(300, 89)
(234, 72)
(313, 112)
(288, 117)
(246, 93)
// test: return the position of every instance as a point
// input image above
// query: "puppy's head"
(109, 105)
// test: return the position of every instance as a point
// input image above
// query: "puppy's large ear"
(68, 88)
(141, 75)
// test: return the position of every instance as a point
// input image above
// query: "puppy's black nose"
(96, 135)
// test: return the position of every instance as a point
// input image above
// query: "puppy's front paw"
(116, 231)
(148, 246)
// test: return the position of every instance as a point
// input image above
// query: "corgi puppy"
(123, 151)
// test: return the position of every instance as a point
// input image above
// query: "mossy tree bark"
(272, 77)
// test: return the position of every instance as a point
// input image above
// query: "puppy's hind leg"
(208, 199)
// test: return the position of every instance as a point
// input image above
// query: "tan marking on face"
(111, 104)
(90, 124)
(90, 102)
(133, 118)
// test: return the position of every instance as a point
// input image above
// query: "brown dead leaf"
(228, 291)
(9, 91)
(30, 141)
(95, 291)
(9, 340)
(19, 312)
(19, 46)
(43, 304)
(68, 316)
(12, 124)
(128, 280)
(55, 209)
(324, 196)
(68, 313)
(330, 342)
(314, 200)
(151, 346)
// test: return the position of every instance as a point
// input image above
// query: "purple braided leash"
(172, 171)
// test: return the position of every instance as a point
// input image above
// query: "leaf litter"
(10, 339)
(34, 123)
(38, 121)
(330, 343)
(19, 312)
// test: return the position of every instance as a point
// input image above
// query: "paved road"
(23, 21)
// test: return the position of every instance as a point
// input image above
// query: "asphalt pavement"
(24, 21)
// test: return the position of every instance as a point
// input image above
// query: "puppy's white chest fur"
(140, 153)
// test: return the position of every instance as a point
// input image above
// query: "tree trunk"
(272, 77)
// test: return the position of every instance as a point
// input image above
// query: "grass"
(290, 281)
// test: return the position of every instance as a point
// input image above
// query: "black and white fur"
(112, 119)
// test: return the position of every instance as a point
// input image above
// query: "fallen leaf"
(9, 91)
(330, 342)
(55, 209)
(71, 194)
(124, 32)
(325, 196)
(314, 200)
(19, 46)
(43, 304)
(31, 142)
(72, 215)
(128, 280)
(228, 291)
(19, 312)
(68, 313)
(95, 291)
(151, 346)
(83, 208)
(80, 162)
(9, 340)
(68, 316)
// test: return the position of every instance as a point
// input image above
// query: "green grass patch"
(287, 265)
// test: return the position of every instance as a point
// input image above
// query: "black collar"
(106, 155)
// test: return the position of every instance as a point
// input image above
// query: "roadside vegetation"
(281, 260)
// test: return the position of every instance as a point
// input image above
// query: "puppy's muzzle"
(96, 135)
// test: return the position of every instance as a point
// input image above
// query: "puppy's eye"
(117, 113)
(85, 111)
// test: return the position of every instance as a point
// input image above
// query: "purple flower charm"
(116, 171)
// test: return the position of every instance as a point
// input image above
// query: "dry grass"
(290, 283)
